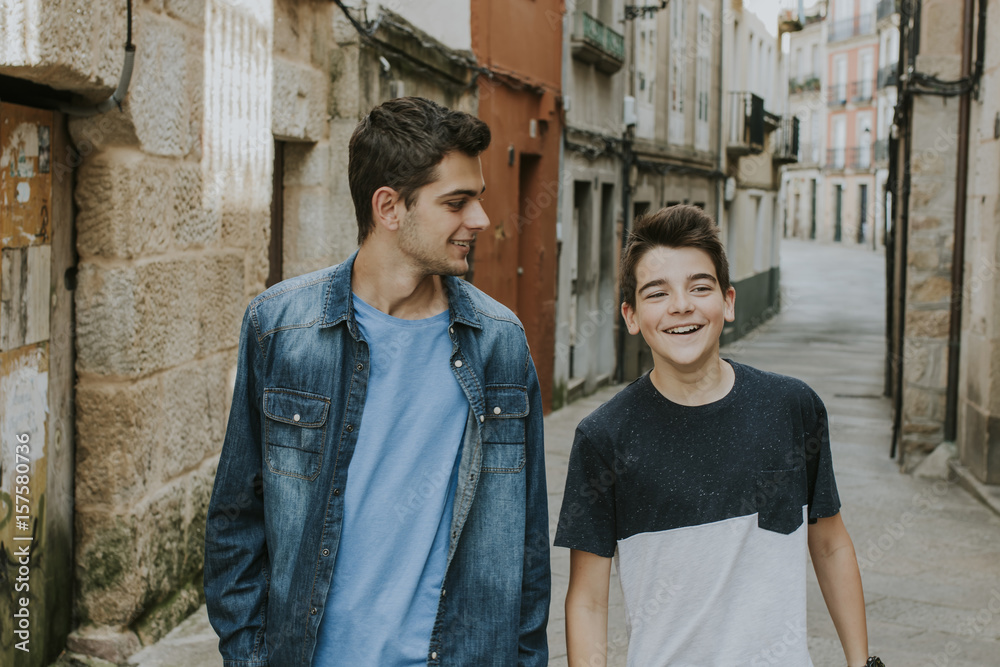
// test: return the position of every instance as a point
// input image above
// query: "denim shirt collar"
(339, 306)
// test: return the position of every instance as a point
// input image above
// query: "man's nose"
(477, 220)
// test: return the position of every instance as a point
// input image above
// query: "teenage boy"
(701, 477)
(380, 499)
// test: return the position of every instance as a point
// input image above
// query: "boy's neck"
(700, 386)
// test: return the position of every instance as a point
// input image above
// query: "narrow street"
(930, 553)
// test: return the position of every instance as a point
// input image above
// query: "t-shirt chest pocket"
(780, 496)
(294, 432)
(504, 428)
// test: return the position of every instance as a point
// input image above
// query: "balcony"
(861, 24)
(804, 85)
(881, 151)
(746, 124)
(593, 42)
(887, 76)
(836, 95)
(855, 157)
(862, 91)
(887, 8)
(786, 141)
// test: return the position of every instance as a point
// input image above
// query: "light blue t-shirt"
(399, 498)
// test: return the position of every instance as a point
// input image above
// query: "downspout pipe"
(958, 249)
(121, 91)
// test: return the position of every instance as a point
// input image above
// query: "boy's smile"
(680, 309)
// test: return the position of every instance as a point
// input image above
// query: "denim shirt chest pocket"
(294, 432)
(504, 428)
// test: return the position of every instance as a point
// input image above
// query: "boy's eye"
(702, 288)
(456, 205)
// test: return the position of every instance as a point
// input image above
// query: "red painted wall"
(515, 260)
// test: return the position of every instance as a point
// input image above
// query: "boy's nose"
(680, 303)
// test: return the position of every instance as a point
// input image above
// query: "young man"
(700, 477)
(380, 499)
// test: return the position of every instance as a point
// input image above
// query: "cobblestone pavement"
(930, 553)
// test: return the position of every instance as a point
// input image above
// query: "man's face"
(437, 232)
(680, 309)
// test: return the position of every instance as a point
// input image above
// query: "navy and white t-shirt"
(705, 508)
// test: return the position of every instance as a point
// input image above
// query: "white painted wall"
(448, 21)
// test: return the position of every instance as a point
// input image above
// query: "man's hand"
(587, 609)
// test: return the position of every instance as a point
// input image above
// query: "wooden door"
(32, 564)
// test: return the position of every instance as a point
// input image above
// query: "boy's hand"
(839, 578)
(587, 609)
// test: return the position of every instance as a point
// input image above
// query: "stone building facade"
(224, 171)
(943, 178)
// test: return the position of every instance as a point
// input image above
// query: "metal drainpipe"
(958, 249)
(912, 44)
(720, 179)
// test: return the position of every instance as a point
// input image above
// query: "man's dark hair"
(673, 227)
(400, 144)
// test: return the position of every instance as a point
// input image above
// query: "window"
(678, 73)
(703, 79)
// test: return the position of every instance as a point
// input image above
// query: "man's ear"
(386, 208)
(628, 313)
(731, 304)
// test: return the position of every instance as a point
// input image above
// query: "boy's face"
(679, 307)
(437, 231)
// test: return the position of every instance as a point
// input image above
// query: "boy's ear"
(386, 208)
(628, 313)
(731, 304)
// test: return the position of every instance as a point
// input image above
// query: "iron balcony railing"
(862, 91)
(887, 76)
(881, 151)
(594, 42)
(852, 157)
(887, 8)
(786, 140)
(836, 94)
(859, 24)
(746, 123)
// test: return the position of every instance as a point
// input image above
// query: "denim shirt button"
(434, 655)
(497, 410)
(350, 427)
(336, 492)
(360, 367)
(312, 612)
(296, 417)
(451, 329)
(482, 418)
(326, 552)
(458, 363)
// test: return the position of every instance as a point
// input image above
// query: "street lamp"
(635, 11)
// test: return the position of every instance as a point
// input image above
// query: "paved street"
(930, 553)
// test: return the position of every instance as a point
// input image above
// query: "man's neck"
(699, 386)
(389, 283)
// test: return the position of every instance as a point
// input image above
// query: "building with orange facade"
(520, 43)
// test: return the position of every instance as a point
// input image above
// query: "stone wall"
(933, 160)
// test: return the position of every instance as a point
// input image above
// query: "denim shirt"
(275, 516)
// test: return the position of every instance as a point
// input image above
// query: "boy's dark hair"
(399, 144)
(674, 227)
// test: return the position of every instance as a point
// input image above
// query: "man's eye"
(456, 205)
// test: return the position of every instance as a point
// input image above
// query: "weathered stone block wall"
(979, 381)
(933, 161)
(169, 250)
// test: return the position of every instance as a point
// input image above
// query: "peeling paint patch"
(21, 152)
(23, 192)
(24, 408)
